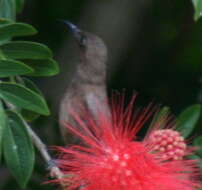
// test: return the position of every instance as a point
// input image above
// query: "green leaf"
(26, 50)
(30, 84)
(16, 29)
(198, 144)
(160, 116)
(8, 9)
(19, 5)
(29, 115)
(2, 57)
(198, 9)
(4, 21)
(18, 149)
(10, 67)
(23, 97)
(2, 125)
(47, 67)
(187, 120)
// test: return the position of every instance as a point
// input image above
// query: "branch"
(54, 170)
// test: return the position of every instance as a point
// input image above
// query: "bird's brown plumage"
(88, 86)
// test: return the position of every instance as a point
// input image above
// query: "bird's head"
(91, 46)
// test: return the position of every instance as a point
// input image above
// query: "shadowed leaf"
(18, 149)
(187, 120)
(19, 5)
(16, 29)
(26, 50)
(7, 9)
(198, 9)
(23, 97)
(10, 67)
(47, 67)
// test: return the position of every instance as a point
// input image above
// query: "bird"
(87, 89)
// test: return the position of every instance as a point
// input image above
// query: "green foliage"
(19, 94)
(30, 115)
(25, 50)
(160, 116)
(19, 5)
(198, 144)
(23, 97)
(8, 9)
(10, 30)
(198, 9)
(11, 67)
(47, 67)
(18, 149)
(29, 84)
(188, 119)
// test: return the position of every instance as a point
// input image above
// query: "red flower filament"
(111, 158)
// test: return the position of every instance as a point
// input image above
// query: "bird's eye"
(83, 40)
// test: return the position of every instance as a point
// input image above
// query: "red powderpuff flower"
(110, 157)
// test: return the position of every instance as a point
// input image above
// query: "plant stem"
(54, 170)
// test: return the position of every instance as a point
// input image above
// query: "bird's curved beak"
(74, 29)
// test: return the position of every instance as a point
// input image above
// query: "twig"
(54, 170)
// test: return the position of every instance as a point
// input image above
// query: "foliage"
(19, 96)
(198, 8)
(188, 119)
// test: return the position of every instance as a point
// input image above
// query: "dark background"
(155, 48)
